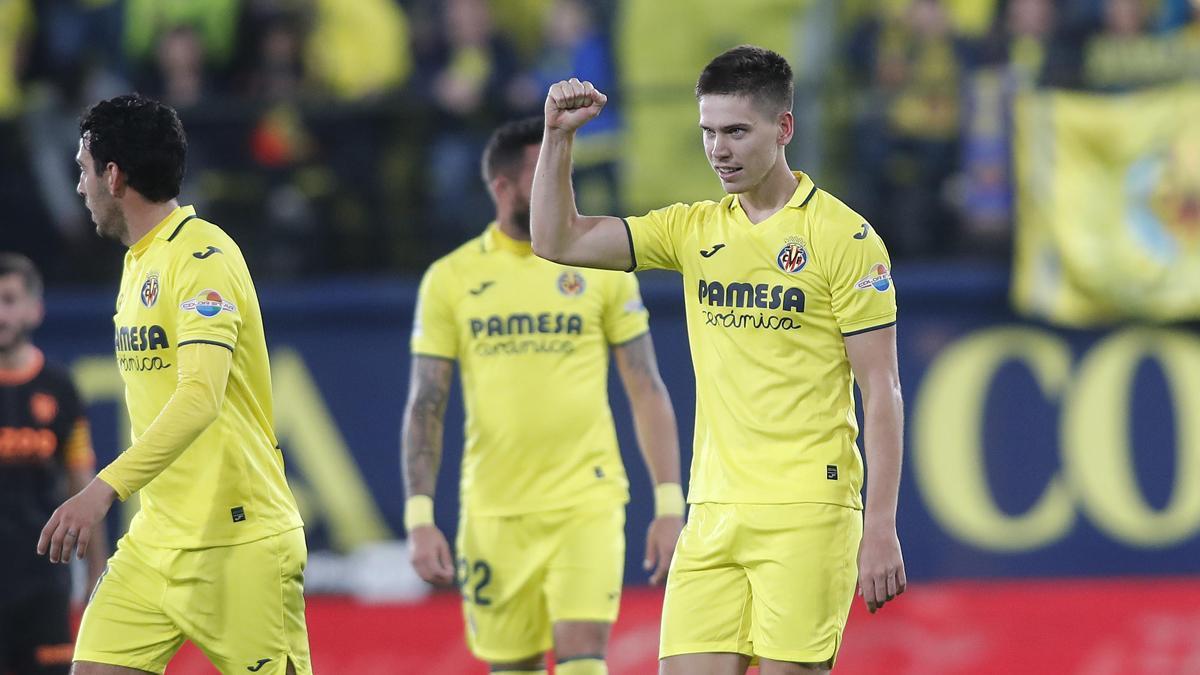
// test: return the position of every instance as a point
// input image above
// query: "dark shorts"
(35, 633)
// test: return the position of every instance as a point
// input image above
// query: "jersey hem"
(856, 505)
(156, 541)
(474, 511)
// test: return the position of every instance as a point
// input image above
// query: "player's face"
(20, 312)
(93, 187)
(741, 141)
(522, 189)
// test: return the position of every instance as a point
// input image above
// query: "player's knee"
(533, 665)
(581, 665)
(575, 639)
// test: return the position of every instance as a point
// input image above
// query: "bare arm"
(424, 417)
(658, 439)
(881, 564)
(653, 414)
(559, 232)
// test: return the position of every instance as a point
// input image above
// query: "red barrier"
(1064, 627)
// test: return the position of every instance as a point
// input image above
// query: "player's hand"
(880, 567)
(660, 546)
(71, 525)
(430, 555)
(570, 104)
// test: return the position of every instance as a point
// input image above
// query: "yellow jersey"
(531, 339)
(185, 282)
(768, 306)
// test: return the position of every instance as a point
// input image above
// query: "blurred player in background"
(216, 553)
(541, 543)
(45, 454)
(789, 301)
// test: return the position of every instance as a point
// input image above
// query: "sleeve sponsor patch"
(879, 278)
(208, 303)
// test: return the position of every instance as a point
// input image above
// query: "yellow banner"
(1108, 206)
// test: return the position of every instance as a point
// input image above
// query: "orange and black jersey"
(43, 434)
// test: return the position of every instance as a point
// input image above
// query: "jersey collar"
(164, 229)
(494, 239)
(800, 198)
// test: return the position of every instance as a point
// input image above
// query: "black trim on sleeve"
(868, 330)
(204, 342)
(810, 196)
(439, 357)
(635, 337)
(632, 255)
(180, 227)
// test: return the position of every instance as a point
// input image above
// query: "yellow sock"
(581, 665)
(506, 671)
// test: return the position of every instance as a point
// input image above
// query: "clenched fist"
(570, 104)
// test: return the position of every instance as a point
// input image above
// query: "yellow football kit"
(223, 497)
(531, 339)
(768, 306)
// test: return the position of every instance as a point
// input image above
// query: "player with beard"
(45, 454)
(541, 541)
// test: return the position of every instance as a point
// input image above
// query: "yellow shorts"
(521, 574)
(769, 580)
(242, 605)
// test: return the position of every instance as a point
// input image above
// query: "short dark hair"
(759, 74)
(506, 147)
(143, 137)
(15, 263)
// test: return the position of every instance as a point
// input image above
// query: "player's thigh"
(35, 634)
(707, 604)
(501, 567)
(124, 623)
(770, 667)
(704, 664)
(87, 668)
(243, 605)
(585, 574)
(801, 562)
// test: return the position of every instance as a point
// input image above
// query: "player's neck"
(512, 230)
(772, 194)
(18, 358)
(141, 216)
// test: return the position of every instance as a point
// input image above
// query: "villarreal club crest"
(571, 283)
(793, 256)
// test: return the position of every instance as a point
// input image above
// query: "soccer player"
(789, 301)
(216, 553)
(44, 445)
(541, 543)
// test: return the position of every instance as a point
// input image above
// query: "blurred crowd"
(343, 136)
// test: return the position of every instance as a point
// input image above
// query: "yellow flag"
(1108, 206)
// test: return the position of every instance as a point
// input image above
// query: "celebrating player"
(789, 301)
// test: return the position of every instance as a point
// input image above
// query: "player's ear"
(787, 127)
(114, 178)
(37, 312)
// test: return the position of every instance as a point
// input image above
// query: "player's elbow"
(543, 248)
